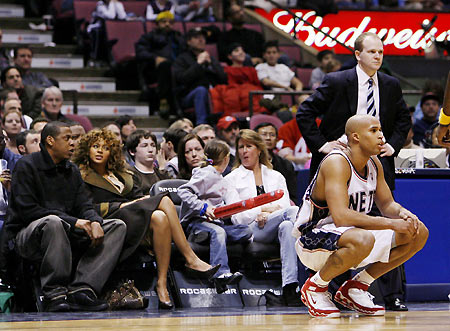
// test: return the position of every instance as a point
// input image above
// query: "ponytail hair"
(215, 151)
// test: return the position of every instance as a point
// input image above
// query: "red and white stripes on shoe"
(318, 300)
(354, 295)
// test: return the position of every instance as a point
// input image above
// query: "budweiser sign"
(402, 32)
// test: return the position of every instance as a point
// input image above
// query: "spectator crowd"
(68, 187)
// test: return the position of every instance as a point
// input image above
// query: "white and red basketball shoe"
(355, 296)
(318, 300)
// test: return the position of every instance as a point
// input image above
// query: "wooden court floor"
(233, 320)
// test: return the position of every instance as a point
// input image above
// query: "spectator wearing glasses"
(269, 134)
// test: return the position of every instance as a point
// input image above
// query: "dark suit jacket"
(337, 100)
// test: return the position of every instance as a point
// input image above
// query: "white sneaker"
(354, 295)
(318, 300)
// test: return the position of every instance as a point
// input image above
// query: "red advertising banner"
(402, 32)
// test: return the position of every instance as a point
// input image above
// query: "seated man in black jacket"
(195, 71)
(269, 133)
(48, 212)
(155, 51)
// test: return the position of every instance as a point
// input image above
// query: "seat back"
(126, 34)
(168, 185)
(262, 118)
(304, 74)
(84, 121)
(177, 26)
(137, 7)
(293, 52)
(83, 10)
(212, 50)
(190, 25)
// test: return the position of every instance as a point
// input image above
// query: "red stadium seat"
(304, 74)
(126, 34)
(190, 25)
(137, 7)
(263, 118)
(292, 51)
(177, 26)
(212, 50)
(256, 27)
(83, 10)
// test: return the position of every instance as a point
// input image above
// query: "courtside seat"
(170, 186)
(262, 252)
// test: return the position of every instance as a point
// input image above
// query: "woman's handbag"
(125, 296)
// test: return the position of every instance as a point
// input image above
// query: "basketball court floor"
(421, 316)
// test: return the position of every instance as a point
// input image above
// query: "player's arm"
(337, 172)
(388, 207)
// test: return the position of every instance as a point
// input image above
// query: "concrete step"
(107, 108)
(154, 123)
(27, 36)
(41, 49)
(88, 84)
(19, 23)
(117, 96)
(11, 10)
(66, 61)
(80, 72)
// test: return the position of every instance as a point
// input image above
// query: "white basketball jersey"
(361, 192)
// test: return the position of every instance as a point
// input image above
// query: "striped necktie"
(371, 110)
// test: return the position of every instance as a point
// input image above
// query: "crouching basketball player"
(335, 233)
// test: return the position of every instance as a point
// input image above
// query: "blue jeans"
(219, 236)
(279, 227)
(199, 98)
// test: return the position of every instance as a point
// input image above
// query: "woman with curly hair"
(149, 219)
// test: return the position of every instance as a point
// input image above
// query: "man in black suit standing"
(360, 90)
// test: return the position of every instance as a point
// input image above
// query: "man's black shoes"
(57, 304)
(85, 300)
(396, 305)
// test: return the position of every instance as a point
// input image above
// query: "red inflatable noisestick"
(237, 207)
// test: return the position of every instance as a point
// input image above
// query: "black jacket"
(155, 43)
(189, 74)
(286, 168)
(40, 188)
(336, 100)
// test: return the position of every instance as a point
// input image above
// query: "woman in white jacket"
(252, 176)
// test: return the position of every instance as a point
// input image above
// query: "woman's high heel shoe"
(163, 304)
(207, 274)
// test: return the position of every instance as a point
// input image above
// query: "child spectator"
(276, 76)
(317, 75)
(142, 146)
(205, 191)
(233, 97)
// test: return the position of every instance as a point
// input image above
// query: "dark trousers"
(162, 75)
(48, 240)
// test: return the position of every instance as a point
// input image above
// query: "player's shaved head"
(357, 122)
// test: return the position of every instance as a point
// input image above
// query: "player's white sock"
(364, 277)
(318, 280)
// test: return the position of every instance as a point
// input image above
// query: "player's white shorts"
(314, 248)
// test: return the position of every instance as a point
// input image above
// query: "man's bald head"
(357, 123)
